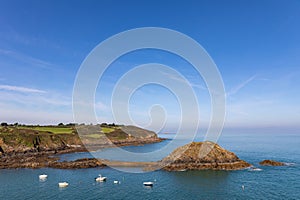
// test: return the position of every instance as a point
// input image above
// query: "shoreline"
(50, 157)
(47, 159)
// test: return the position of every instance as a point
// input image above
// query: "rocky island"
(202, 155)
(271, 163)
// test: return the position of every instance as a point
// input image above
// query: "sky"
(255, 45)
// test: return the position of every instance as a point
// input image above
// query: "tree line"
(60, 124)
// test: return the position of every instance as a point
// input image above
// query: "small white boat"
(63, 184)
(100, 178)
(149, 183)
(43, 176)
(116, 182)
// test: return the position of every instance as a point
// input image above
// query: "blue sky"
(255, 45)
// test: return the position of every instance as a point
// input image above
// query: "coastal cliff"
(202, 155)
(33, 146)
(24, 140)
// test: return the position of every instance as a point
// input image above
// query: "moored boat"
(43, 176)
(63, 184)
(100, 178)
(149, 183)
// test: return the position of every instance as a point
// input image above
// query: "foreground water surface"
(270, 183)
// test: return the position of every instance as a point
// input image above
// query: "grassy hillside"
(51, 129)
(37, 138)
(21, 139)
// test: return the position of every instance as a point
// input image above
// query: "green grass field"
(55, 129)
(61, 130)
(107, 129)
(94, 136)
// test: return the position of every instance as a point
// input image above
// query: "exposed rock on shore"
(271, 163)
(77, 164)
(40, 160)
(34, 160)
(202, 155)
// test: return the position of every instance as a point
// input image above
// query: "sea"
(268, 183)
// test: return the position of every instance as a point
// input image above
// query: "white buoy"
(243, 187)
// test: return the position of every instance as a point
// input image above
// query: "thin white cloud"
(41, 100)
(20, 89)
(27, 59)
(13, 35)
(34, 107)
(183, 80)
(240, 86)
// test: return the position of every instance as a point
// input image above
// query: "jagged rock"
(31, 160)
(271, 163)
(202, 155)
(77, 164)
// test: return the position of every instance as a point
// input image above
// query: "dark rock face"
(271, 163)
(77, 164)
(202, 155)
(39, 160)
(32, 160)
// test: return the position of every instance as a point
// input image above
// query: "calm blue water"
(270, 183)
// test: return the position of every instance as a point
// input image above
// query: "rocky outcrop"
(40, 160)
(34, 160)
(77, 164)
(200, 156)
(271, 163)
